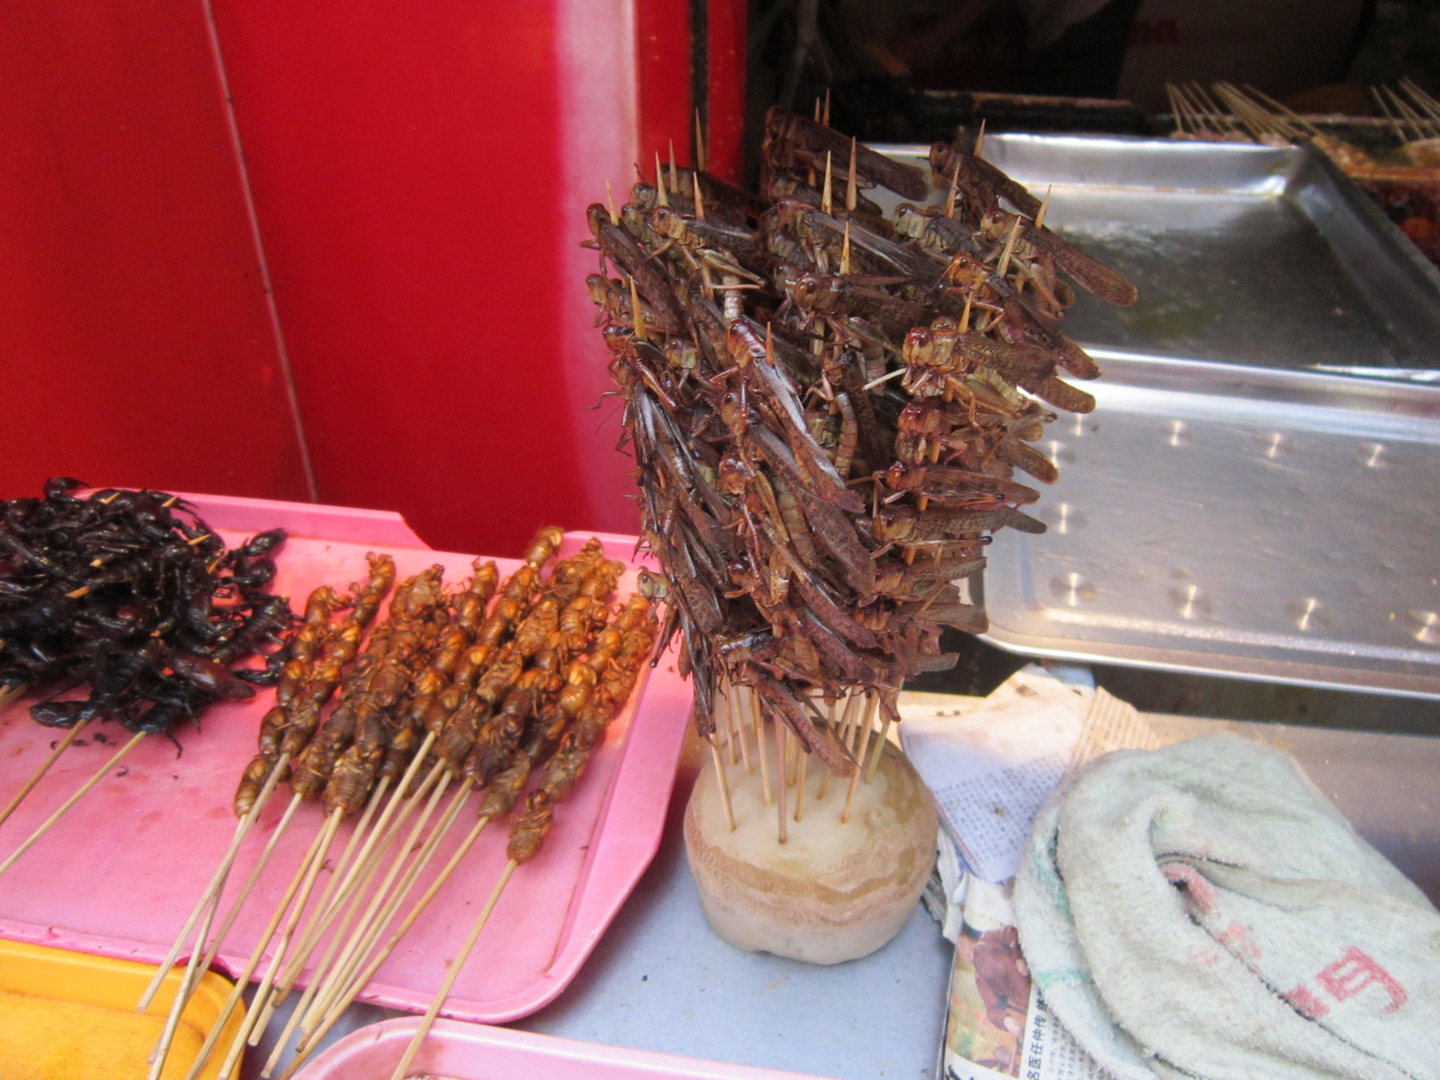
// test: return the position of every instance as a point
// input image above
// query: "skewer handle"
(431, 1013)
(217, 882)
(58, 814)
(334, 1011)
(70, 737)
(723, 783)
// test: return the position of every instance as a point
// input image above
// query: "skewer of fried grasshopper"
(559, 776)
(312, 767)
(455, 638)
(268, 766)
(493, 747)
(581, 677)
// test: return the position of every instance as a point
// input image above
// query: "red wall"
(135, 343)
(404, 161)
(419, 174)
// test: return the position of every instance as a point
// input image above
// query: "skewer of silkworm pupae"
(571, 698)
(309, 641)
(413, 638)
(320, 652)
(528, 830)
(540, 551)
(637, 629)
(412, 601)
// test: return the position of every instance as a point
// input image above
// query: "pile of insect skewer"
(449, 693)
(1248, 115)
(827, 406)
(130, 594)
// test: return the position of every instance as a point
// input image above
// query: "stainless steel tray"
(1223, 510)
(1255, 522)
(1242, 254)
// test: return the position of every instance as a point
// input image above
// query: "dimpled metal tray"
(1263, 523)
(1243, 254)
(1225, 510)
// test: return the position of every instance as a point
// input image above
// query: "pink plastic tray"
(474, 1052)
(118, 875)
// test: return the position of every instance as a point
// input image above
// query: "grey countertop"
(661, 980)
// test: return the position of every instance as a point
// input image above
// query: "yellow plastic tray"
(78, 1016)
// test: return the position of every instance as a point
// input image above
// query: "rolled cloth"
(1203, 911)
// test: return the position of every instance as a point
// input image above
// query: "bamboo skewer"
(244, 894)
(350, 955)
(321, 992)
(65, 807)
(428, 1021)
(311, 872)
(1385, 111)
(857, 751)
(345, 869)
(780, 775)
(187, 985)
(217, 881)
(10, 693)
(800, 782)
(352, 991)
(182, 994)
(233, 999)
(758, 722)
(732, 704)
(340, 890)
(892, 707)
(724, 784)
(60, 748)
(730, 733)
(847, 717)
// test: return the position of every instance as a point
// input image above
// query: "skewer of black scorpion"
(828, 406)
(132, 593)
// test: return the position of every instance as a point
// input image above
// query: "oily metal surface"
(1223, 510)
(1243, 254)
(1256, 522)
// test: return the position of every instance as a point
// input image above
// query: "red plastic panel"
(137, 344)
(726, 53)
(404, 161)
(662, 36)
(596, 44)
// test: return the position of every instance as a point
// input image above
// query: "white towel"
(1203, 912)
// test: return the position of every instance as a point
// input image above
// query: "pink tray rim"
(461, 1051)
(630, 822)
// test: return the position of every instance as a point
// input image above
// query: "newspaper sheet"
(998, 1026)
(991, 767)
